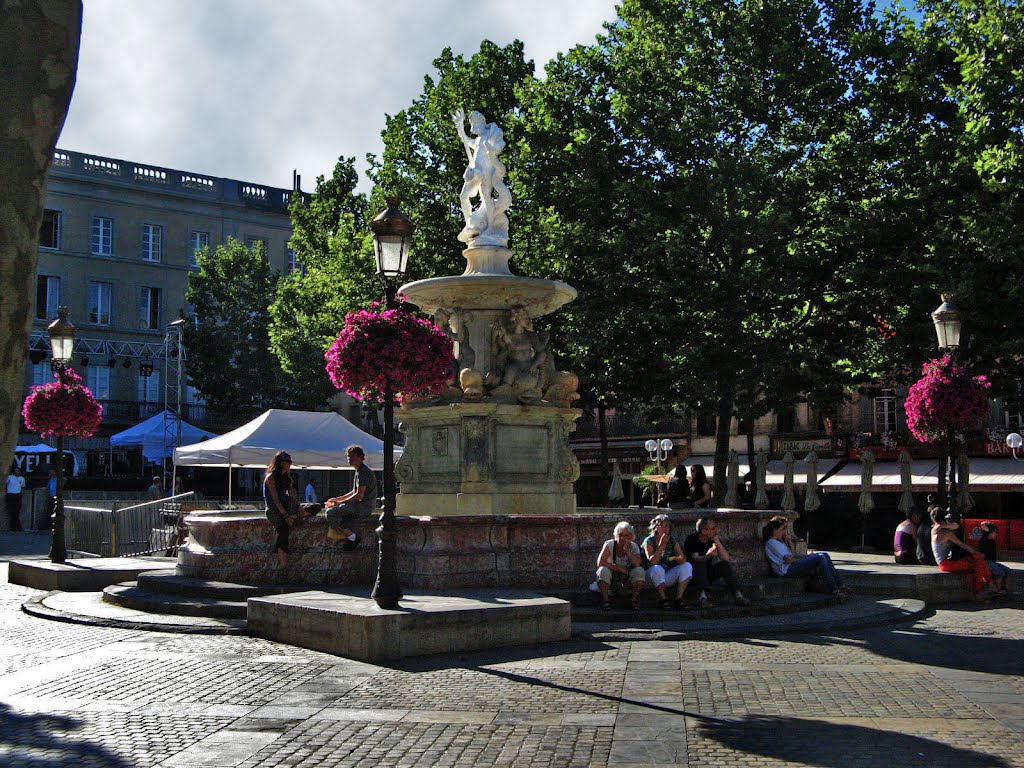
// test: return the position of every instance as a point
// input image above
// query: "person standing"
(15, 485)
(342, 510)
(311, 497)
(51, 501)
(155, 492)
(701, 549)
(700, 488)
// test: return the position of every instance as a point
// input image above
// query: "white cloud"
(250, 89)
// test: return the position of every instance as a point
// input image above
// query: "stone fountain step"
(650, 612)
(131, 595)
(170, 582)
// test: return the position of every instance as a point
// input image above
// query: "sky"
(252, 89)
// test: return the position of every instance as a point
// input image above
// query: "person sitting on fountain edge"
(701, 549)
(358, 502)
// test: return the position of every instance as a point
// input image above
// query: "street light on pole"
(392, 238)
(659, 450)
(947, 331)
(62, 344)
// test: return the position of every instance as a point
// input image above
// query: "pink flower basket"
(390, 349)
(64, 407)
(945, 398)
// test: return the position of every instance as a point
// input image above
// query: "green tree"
(332, 243)
(947, 109)
(748, 120)
(230, 362)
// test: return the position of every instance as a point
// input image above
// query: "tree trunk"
(38, 62)
(727, 395)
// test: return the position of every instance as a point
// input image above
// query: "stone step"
(131, 595)
(763, 589)
(170, 582)
(651, 613)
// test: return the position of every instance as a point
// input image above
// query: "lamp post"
(392, 237)
(947, 331)
(658, 450)
(62, 343)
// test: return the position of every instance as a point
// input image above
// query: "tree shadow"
(806, 741)
(38, 740)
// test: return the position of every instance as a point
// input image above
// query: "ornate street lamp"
(947, 332)
(62, 344)
(659, 450)
(947, 324)
(392, 238)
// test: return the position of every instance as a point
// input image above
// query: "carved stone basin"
(489, 291)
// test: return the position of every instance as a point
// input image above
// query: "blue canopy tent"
(158, 436)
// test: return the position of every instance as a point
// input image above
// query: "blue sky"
(252, 89)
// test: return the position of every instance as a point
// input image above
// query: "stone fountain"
(496, 442)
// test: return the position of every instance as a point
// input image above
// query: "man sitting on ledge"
(358, 502)
(701, 549)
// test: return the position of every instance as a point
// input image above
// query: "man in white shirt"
(15, 485)
(311, 497)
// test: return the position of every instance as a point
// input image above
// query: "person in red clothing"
(947, 545)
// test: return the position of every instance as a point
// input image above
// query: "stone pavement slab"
(943, 688)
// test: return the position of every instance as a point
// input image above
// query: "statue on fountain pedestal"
(487, 226)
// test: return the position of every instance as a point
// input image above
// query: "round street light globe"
(1014, 441)
(651, 446)
(666, 444)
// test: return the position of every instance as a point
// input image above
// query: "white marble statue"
(487, 226)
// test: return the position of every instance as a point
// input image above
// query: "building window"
(99, 302)
(152, 242)
(786, 419)
(41, 373)
(200, 240)
(102, 236)
(1013, 420)
(885, 412)
(292, 263)
(47, 296)
(149, 308)
(97, 377)
(252, 243)
(148, 390)
(49, 231)
(707, 423)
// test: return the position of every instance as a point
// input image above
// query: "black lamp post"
(947, 331)
(62, 343)
(392, 237)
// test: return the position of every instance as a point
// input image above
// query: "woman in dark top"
(700, 488)
(987, 547)
(282, 503)
(904, 540)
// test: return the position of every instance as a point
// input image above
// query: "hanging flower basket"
(390, 349)
(64, 407)
(945, 398)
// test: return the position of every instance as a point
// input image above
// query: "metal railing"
(153, 527)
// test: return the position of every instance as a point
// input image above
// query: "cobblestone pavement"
(944, 691)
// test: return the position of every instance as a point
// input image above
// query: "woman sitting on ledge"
(785, 563)
(618, 567)
(667, 564)
(953, 555)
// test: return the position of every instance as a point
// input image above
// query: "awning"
(987, 475)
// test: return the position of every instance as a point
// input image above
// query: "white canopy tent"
(315, 440)
(157, 435)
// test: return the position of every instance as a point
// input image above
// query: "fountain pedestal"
(487, 459)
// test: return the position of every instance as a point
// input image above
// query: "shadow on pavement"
(822, 743)
(40, 740)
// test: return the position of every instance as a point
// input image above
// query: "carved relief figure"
(484, 177)
(522, 363)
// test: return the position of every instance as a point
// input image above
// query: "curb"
(858, 612)
(36, 607)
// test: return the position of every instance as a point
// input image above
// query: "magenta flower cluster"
(63, 407)
(390, 349)
(945, 398)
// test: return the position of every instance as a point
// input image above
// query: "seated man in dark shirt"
(701, 550)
